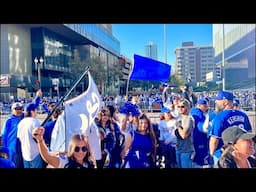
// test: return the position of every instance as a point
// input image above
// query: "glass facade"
(57, 44)
(98, 34)
(239, 45)
(56, 52)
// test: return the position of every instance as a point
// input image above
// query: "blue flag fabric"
(148, 69)
(78, 116)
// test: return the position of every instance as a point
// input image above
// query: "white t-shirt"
(167, 131)
(29, 147)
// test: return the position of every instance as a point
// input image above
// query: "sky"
(134, 37)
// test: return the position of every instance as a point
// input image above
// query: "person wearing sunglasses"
(10, 127)
(185, 125)
(78, 155)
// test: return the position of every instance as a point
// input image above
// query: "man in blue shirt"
(9, 129)
(200, 138)
(228, 117)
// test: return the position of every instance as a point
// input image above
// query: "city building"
(151, 50)
(237, 42)
(193, 63)
(33, 52)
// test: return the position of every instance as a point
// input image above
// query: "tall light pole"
(38, 63)
(223, 58)
(165, 49)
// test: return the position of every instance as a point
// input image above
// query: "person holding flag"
(78, 115)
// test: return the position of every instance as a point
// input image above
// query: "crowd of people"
(189, 134)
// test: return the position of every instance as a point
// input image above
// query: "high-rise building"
(194, 62)
(57, 45)
(238, 43)
(151, 50)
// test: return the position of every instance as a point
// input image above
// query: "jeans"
(184, 159)
(37, 162)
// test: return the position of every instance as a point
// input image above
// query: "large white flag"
(79, 114)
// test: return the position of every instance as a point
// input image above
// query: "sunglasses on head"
(182, 106)
(77, 149)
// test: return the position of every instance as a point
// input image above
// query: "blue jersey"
(228, 118)
(200, 139)
(9, 134)
(6, 163)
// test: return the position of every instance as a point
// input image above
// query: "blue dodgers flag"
(79, 114)
(148, 69)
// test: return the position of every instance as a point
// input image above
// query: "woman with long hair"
(78, 155)
(140, 146)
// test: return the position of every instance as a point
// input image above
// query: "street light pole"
(38, 63)
(223, 59)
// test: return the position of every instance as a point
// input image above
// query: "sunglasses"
(19, 108)
(181, 106)
(77, 149)
(105, 114)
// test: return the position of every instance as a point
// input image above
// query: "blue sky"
(134, 37)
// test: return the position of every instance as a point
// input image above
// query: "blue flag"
(148, 69)
(78, 116)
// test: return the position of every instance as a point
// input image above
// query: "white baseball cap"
(16, 104)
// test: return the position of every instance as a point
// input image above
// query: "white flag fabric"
(94, 141)
(79, 114)
(58, 136)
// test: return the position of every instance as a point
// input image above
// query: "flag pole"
(66, 95)
(127, 88)
(165, 49)
(128, 81)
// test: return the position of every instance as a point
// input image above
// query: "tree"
(103, 74)
(177, 81)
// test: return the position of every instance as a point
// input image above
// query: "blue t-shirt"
(140, 151)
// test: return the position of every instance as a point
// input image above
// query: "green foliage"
(102, 73)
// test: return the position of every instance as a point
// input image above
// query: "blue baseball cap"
(224, 95)
(165, 110)
(202, 102)
(30, 107)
